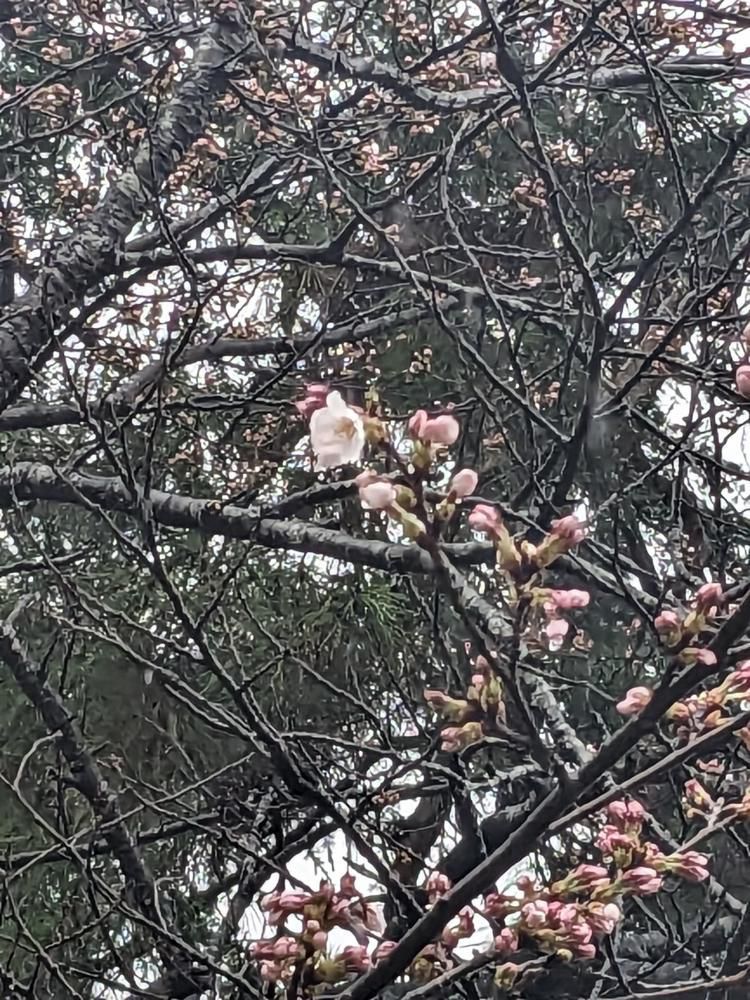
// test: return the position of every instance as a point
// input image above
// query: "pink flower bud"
(416, 423)
(641, 880)
(709, 595)
(569, 529)
(270, 971)
(590, 876)
(383, 950)
(463, 483)
(570, 600)
(315, 399)
(485, 519)
(697, 796)
(586, 951)
(437, 885)
(355, 958)
(457, 737)
(692, 654)
(557, 629)
(667, 622)
(742, 381)
(378, 495)
(535, 913)
(603, 917)
(506, 941)
(634, 701)
(690, 865)
(477, 681)
(440, 430)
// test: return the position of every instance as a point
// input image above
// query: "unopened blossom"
(463, 483)
(691, 654)
(709, 595)
(506, 942)
(379, 495)
(354, 958)
(641, 880)
(270, 971)
(314, 399)
(437, 885)
(603, 917)
(689, 864)
(337, 433)
(564, 534)
(570, 600)
(454, 709)
(634, 701)
(696, 797)
(611, 840)
(485, 519)
(557, 629)
(742, 380)
(535, 913)
(588, 877)
(457, 737)
(416, 423)
(626, 816)
(667, 623)
(287, 947)
(440, 430)
(569, 529)
(585, 951)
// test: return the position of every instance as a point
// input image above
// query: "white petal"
(336, 405)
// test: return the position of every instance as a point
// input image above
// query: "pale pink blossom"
(667, 622)
(463, 483)
(611, 839)
(696, 795)
(569, 600)
(557, 629)
(590, 876)
(440, 430)
(354, 958)
(437, 885)
(641, 880)
(742, 380)
(603, 917)
(485, 518)
(506, 941)
(579, 933)
(566, 915)
(535, 913)
(705, 657)
(586, 951)
(379, 495)
(709, 595)
(569, 529)
(690, 865)
(314, 399)
(270, 971)
(456, 737)
(634, 701)
(416, 423)
(287, 947)
(626, 815)
(337, 433)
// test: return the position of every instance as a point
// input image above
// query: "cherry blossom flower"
(416, 423)
(557, 629)
(457, 737)
(383, 950)
(603, 917)
(641, 880)
(569, 600)
(354, 958)
(626, 816)
(634, 701)
(463, 483)
(337, 433)
(378, 495)
(506, 941)
(742, 380)
(589, 876)
(709, 595)
(314, 399)
(437, 885)
(667, 622)
(690, 865)
(535, 913)
(569, 529)
(440, 430)
(485, 518)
